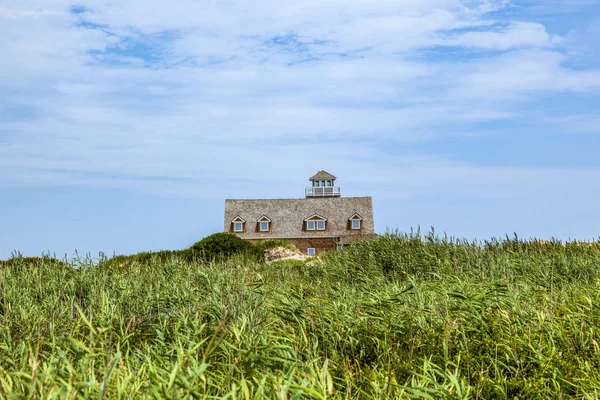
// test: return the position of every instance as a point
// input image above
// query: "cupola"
(323, 185)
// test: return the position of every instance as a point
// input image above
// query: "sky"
(125, 124)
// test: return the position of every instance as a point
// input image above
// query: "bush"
(219, 246)
(271, 244)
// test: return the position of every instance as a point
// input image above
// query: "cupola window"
(323, 185)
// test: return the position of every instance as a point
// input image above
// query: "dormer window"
(315, 223)
(264, 224)
(355, 222)
(237, 225)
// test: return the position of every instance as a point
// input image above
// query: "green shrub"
(272, 244)
(220, 246)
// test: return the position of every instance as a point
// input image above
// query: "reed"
(403, 316)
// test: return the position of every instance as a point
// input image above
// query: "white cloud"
(524, 73)
(515, 35)
(220, 95)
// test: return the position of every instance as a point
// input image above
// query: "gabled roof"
(264, 218)
(288, 215)
(238, 219)
(321, 175)
(315, 217)
(356, 216)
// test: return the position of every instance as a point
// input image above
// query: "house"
(322, 221)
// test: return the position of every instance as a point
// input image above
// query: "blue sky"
(124, 125)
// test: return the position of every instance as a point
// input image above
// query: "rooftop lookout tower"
(323, 185)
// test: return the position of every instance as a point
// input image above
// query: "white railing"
(331, 191)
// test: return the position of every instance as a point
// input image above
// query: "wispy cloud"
(121, 92)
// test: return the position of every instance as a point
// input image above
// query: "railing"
(331, 191)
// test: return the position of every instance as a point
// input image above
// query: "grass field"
(401, 316)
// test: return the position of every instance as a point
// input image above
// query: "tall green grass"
(403, 316)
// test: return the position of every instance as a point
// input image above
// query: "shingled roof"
(321, 175)
(288, 216)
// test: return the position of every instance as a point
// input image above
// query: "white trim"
(235, 226)
(355, 216)
(311, 250)
(314, 228)
(352, 221)
(319, 222)
(315, 217)
(238, 219)
(264, 218)
(260, 226)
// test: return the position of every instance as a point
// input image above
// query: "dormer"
(355, 222)
(263, 224)
(323, 185)
(315, 222)
(238, 225)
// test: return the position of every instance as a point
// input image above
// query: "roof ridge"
(322, 174)
(303, 198)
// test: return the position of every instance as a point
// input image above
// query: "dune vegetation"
(402, 316)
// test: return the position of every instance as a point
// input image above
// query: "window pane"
(321, 225)
(316, 183)
(311, 251)
(264, 226)
(356, 224)
(310, 225)
(238, 227)
(323, 183)
(328, 183)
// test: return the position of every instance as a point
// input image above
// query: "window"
(323, 183)
(311, 251)
(315, 223)
(237, 224)
(263, 224)
(328, 183)
(355, 222)
(317, 183)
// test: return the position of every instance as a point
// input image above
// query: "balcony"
(331, 191)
